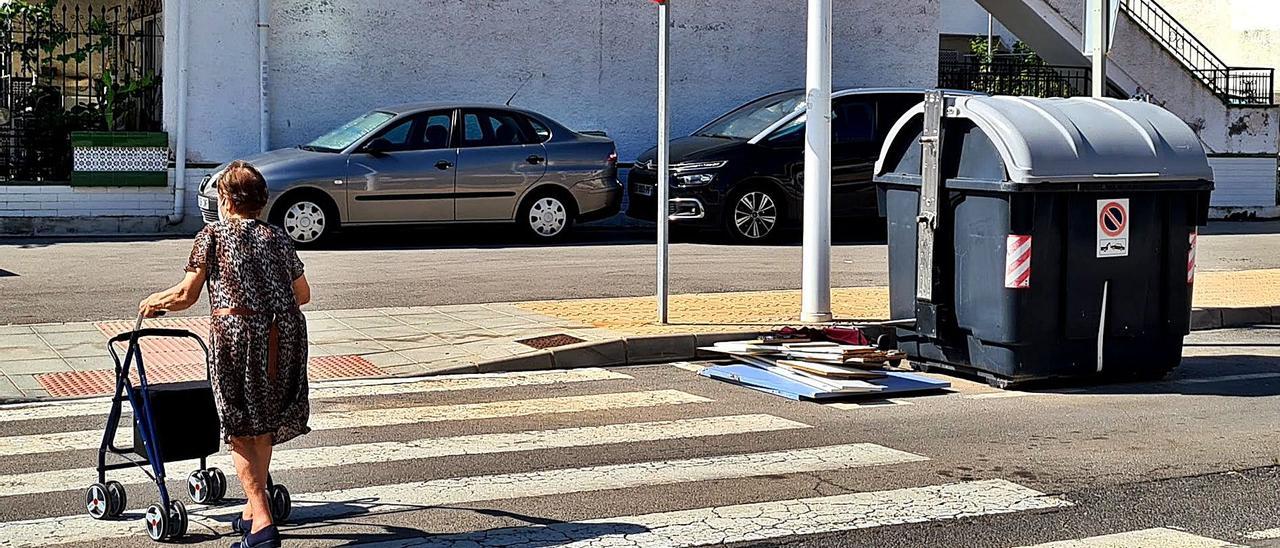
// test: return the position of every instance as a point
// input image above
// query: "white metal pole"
(264, 110)
(664, 154)
(180, 140)
(816, 270)
(991, 51)
(1100, 48)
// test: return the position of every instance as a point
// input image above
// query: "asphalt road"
(69, 280)
(657, 456)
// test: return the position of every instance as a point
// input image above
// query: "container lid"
(1076, 140)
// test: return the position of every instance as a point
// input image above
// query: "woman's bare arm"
(302, 290)
(178, 297)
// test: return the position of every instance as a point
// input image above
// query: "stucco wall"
(589, 63)
(1243, 33)
(967, 17)
(222, 78)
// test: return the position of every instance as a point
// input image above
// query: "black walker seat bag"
(186, 421)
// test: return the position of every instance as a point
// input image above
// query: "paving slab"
(34, 367)
(8, 391)
(425, 340)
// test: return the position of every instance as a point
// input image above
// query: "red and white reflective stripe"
(1191, 259)
(1017, 262)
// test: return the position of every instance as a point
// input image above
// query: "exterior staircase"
(1155, 58)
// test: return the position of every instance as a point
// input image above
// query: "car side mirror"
(378, 146)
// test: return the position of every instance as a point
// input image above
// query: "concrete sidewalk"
(70, 359)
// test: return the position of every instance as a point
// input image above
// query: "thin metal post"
(1101, 15)
(991, 52)
(815, 305)
(664, 155)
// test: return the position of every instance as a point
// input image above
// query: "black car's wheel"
(305, 219)
(545, 217)
(753, 215)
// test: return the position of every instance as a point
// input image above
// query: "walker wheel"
(202, 487)
(97, 502)
(117, 501)
(157, 522)
(221, 480)
(281, 504)
(177, 520)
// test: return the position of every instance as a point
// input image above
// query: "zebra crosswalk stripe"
(461, 490)
(763, 521)
(363, 418)
(343, 389)
(1146, 538)
(382, 452)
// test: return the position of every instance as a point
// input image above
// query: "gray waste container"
(1055, 238)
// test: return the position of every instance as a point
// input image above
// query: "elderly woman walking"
(258, 363)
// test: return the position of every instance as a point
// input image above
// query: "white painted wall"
(222, 115)
(591, 63)
(1244, 33)
(968, 17)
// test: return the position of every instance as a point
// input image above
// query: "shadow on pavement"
(1241, 227)
(540, 532)
(1234, 375)
(24, 242)
(497, 236)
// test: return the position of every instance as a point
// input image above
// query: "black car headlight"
(695, 179)
(695, 173)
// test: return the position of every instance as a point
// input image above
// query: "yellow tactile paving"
(749, 311)
(1238, 289)
(711, 312)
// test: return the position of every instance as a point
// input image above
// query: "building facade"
(590, 64)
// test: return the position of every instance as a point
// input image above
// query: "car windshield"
(750, 119)
(350, 132)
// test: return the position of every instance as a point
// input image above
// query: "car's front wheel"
(753, 215)
(546, 217)
(305, 220)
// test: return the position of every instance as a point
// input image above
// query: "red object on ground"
(103, 381)
(847, 335)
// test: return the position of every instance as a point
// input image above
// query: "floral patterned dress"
(258, 336)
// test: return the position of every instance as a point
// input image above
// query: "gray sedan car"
(438, 163)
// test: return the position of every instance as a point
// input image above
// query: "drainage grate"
(92, 383)
(551, 341)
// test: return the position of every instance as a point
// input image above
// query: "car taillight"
(613, 158)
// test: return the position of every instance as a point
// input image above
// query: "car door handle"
(535, 159)
(443, 165)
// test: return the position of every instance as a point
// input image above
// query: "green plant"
(1021, 72)
(40, 41)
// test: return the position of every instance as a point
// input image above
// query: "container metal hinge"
(928, 220)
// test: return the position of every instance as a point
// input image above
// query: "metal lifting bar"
(929, 217)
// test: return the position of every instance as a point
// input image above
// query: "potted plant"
(115, 156)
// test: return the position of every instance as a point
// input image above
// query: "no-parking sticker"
(1113, 228)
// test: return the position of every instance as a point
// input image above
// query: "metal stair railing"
(1236, 86)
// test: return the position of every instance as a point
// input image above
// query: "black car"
(743, 172)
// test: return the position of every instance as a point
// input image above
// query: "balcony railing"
(1013, 75)
(1236, 86)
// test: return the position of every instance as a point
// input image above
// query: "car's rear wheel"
(306, 220)
(753, 215)
(546, 217)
